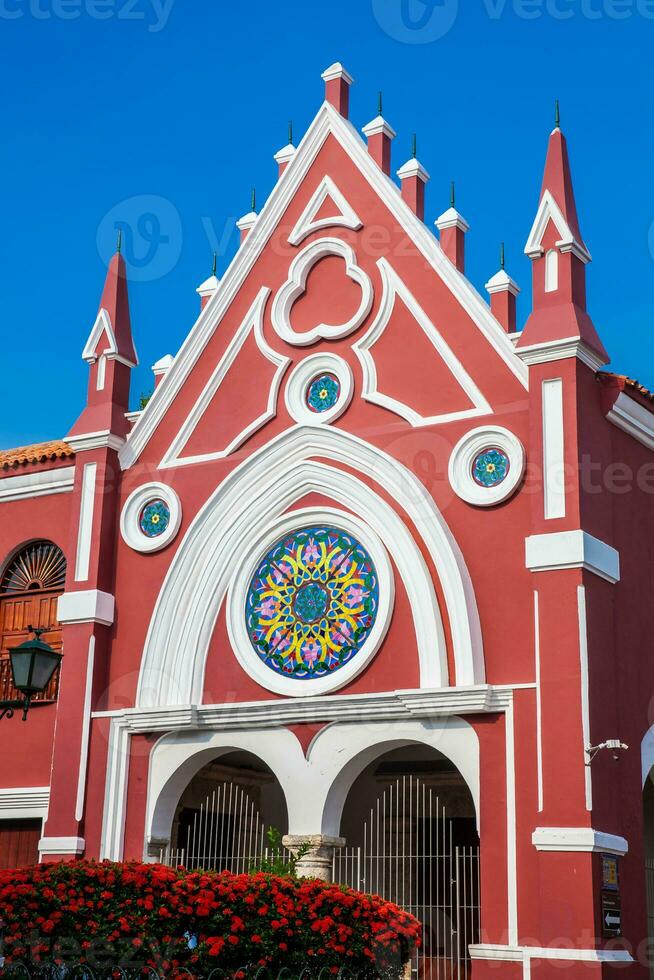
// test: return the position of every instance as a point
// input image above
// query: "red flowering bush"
(147, 915)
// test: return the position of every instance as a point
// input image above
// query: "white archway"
(316, 787)
(265, 486)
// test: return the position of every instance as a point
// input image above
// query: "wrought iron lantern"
(33, 664)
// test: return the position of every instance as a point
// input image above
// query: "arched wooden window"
(29, 589)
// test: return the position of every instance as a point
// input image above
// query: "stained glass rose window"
(490, 467)
(154, 518)
(312, 602)
(323, 392)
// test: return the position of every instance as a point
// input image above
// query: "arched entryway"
(411, 829)
(229, 816)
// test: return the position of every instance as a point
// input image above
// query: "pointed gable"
(331, 179)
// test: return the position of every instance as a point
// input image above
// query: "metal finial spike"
(557, 115)
(215, 264)
(414, 146)
(452, 194)
(290, 131)
(501, 255)
(253, 200)
(379, 103)
(119, 242)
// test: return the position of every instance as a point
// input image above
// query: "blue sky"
(124, 109)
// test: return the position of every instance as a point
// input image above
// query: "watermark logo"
(151, 231)
(154, 13)
(415, 21)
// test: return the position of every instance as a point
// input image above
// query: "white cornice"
(559, 350)
(206, 288)
(577, 839)
(572, 549)
(88, 606)
(337, 71)
(378, 126)
(286, 154)
(61, 845)
(522, 954)
(95, 440)
(501, 282)
(452, 219)
(632, 417)
(342, 708)
(413, 168)
(247, 221)
(24, 802)
(327, 121)
(40, 484)
(549, 210)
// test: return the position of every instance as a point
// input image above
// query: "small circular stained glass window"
(312, 603)
(323, 392)
(490, 467)
(154, 518)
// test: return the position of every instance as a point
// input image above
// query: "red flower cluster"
(137, 915)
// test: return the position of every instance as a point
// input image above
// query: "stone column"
(318, 860)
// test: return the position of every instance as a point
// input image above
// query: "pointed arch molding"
(393, 287)
(344, 214)
(253, 321)
(261, 489)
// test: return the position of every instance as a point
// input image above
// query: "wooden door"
(19, 843)
(17, 612)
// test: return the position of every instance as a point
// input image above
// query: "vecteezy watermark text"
(154, 13)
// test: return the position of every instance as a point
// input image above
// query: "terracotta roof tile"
(633, 387)
(41, 452)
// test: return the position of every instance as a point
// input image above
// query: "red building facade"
(368, 546)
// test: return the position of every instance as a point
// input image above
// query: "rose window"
(312, 603)
(154, 518)
(323, 392)
(490, 467)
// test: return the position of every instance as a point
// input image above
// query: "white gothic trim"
(250, 556)
(633, 418)
(39, 484)
(253, 320)
(549, 210)
(267, 483)
(327, 122)
(295, 286)
(101, 326)
(344, 217)
(24, 802)
(90, 353)
(393, 287)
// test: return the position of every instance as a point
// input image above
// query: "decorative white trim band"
(391, 706)
(518, 954)
(344, 215)
(560, 350)
(40, 484)
(572, 549)
(89, 606)
(85, 528)
(24, 802)
(577, 839)
(95, 440)
(633, 418)
(61, 845)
